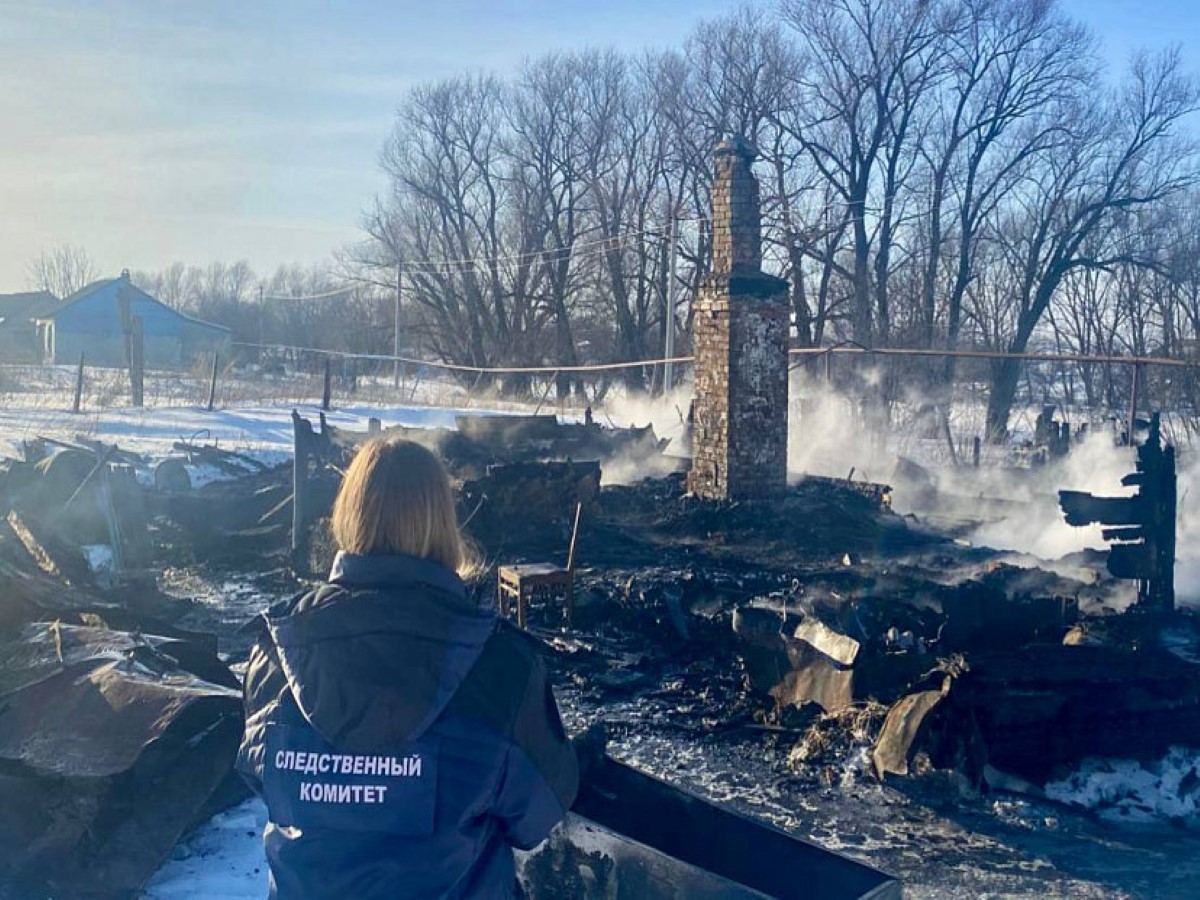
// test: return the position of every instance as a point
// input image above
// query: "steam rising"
(998, 505)
(667, 415)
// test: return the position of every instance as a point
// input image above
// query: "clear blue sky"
(159, 130)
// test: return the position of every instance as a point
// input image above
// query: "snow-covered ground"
(46, 387)
(263, 431)
(222, 859)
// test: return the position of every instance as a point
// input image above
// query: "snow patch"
(222, 858)
(1124, 790)
(99, 557)
(254, 430)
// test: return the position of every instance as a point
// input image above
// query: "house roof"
(28, 305)
(52, 310)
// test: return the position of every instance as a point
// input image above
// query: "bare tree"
(455, 214)
(872, 66)
(935, 172)
(1011, 63)
(554, 158)
(632, 203)
(1121, 153)
(62, 271)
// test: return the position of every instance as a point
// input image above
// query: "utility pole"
(669, 324)
(396, 326)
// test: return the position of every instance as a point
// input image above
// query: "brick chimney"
(741, 322)
(737, 220)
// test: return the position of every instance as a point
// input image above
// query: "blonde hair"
(396, 498)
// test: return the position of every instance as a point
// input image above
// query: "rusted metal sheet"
(905, 721)
(111, 747)
(841, 648)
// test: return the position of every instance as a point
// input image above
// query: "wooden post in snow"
(137, 360)
(302, 436)
(78, 386)
(212, 382)
(328, 388)
(417, 383)
(1133, 403)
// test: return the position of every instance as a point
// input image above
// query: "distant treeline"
(316, 306)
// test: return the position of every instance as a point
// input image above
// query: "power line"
(802, 352)
(337, 293)
(599, 245)
(577, 250)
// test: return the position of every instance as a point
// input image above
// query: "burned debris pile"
(1006, 672)
(527, 505)
(117, 729)
(113, 744)
(519, 477)
(235, 521)
(828, 604)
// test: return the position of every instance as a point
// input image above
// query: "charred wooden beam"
(1144, 539)
(303, 439)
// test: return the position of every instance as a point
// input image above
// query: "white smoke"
(667, 415)
(1009, 507)
(828, 433)
(1096, 465)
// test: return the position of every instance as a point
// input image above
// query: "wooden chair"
(521, 582)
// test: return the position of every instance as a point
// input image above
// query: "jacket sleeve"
(541, 773)
(262, 690)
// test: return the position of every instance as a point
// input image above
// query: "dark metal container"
(633, 836)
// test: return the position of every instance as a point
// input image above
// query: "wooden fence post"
(78, 386)
(546, 395)
(416, 383)
(212, 382)
(1133, 402)
(137, 361)
(328, 389)
(302, 440)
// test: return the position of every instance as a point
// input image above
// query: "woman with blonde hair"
(403, 738)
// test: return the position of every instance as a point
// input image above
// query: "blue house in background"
(95, 320)
(18, 335)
